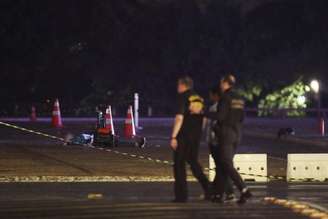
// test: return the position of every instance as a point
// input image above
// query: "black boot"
(179, 200)
(245, 195)
(218, 199)
(229, 197)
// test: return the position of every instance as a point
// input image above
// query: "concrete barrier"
(253, 167)
(307, 167)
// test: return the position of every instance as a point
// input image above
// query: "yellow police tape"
(93, 196)
(271, 177)
(31, 131)
(319, 215)
(298, 207)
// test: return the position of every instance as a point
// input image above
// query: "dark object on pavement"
(135, 141)
(104, 138)
(284, 132)
(81, 139)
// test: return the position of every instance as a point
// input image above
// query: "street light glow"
(315, 86)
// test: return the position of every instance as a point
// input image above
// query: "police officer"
(229, 118)
(185, 139)
(213, 144)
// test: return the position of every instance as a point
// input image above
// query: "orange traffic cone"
(33, 114)
(109, 120)
(129, 128)
(56, 117)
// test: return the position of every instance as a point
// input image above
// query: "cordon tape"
(298, 207)
(271, 177)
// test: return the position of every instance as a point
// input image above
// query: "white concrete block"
(253, 167)
(307, 167)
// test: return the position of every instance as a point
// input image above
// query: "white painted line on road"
(78, 179)
(307, 186)
(257, 186)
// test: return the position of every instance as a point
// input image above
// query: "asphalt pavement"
(145, 200)
(46, 179)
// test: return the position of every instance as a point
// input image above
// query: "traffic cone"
(109, 120)
(129, 128)
(56, 117)
(33, 114)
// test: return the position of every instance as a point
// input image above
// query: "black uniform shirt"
(230, 112)
(191, 106)
(231, 109)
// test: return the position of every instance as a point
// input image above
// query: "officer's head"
(185, 83)
(214, 94)
(227, 82)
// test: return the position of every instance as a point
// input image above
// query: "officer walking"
(185, 139)
(213, 144)
(229, 118)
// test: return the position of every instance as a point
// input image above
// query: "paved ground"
(147, 200)
(27, 155)
(144, 210)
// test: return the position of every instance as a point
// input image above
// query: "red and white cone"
(109, 120)
(33, 114)
(129, 128)
(56, 116)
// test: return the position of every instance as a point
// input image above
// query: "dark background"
(87, 52)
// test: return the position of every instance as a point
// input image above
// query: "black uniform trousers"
(228, 187)
(225, 167)
(187, 152)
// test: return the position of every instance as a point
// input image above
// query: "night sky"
(83, 50)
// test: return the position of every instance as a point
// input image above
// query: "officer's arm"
(177, 125)
(223, 108)
(222, 111)
(211, 115)
(178, 117)
(205, 123)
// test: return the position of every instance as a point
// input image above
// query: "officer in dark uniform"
(185, 139)
(214, 148)
(229, 118)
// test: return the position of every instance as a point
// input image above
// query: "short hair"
(230, 79)
(215, 90)
(186, 80)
